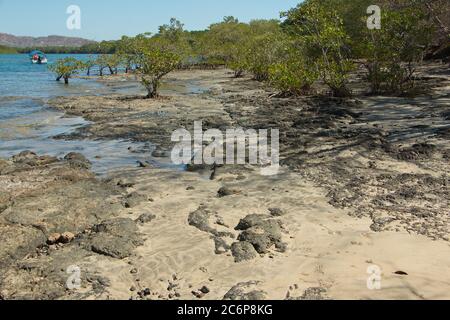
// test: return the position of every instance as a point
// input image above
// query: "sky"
(110, 19)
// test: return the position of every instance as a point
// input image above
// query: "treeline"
(317, 41)
(7, 50)
(104, 47)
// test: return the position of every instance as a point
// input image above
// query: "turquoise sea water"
(28, 123)
(19, 77)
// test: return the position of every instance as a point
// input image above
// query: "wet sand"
(364, 183)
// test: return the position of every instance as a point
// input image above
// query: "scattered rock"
(67, 237)
(243, 251)
(198, 295)
(200, 219)
(204, 290)
(112, 246)
(312, 294)
(116, 238)
(124, 184)
(221, 246)
(53, 238)
(161, 153)
(276, 212)
(250, 221)
(143, 164)
(261, 232)
(245, 291)
(24, 156)
(78, 160)
(401, 273)
(145, 218)
(134, 199)
(29, 158)
(225, 192)
(144, 293)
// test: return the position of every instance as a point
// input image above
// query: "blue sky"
(106, 20)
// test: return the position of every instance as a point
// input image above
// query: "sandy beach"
(364, 185)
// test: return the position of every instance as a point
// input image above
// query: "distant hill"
(50, 41)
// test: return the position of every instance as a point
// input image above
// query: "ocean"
(28, 123)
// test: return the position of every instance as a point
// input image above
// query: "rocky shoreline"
(364, 182)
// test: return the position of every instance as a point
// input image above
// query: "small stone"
(134, 271)
(198, 295)
(205, 290)
(160, 153)
(133, 288)
(53, 238)
(67, 237)
(145, 218)
(225, 192)
(276, 212)
(143, 164)
(124, 184)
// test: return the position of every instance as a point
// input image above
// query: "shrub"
(66, 68)
(394, 51)
(320, 28)
(294, 74)
(155, 61)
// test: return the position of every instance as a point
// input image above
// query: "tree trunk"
(111, 70)
(66, 80)
(58, 78)
(88, 72)
(152, 89)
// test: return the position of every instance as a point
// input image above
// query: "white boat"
(38, 57)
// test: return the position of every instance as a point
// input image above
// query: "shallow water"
(19, 77)
(28, 123)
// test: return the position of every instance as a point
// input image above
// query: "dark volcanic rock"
(243, 251)
(313, 294)
(134, 199)
(200, 219)
(245, 291)
(31, 159)
(115, 247)
(17, 241)
(261, 232)
(226, 191)
(116, 238)
(276, 212)
(251, 221)
(145, 218)
(78, 160)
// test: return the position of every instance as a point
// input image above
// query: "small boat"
(38, 57)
